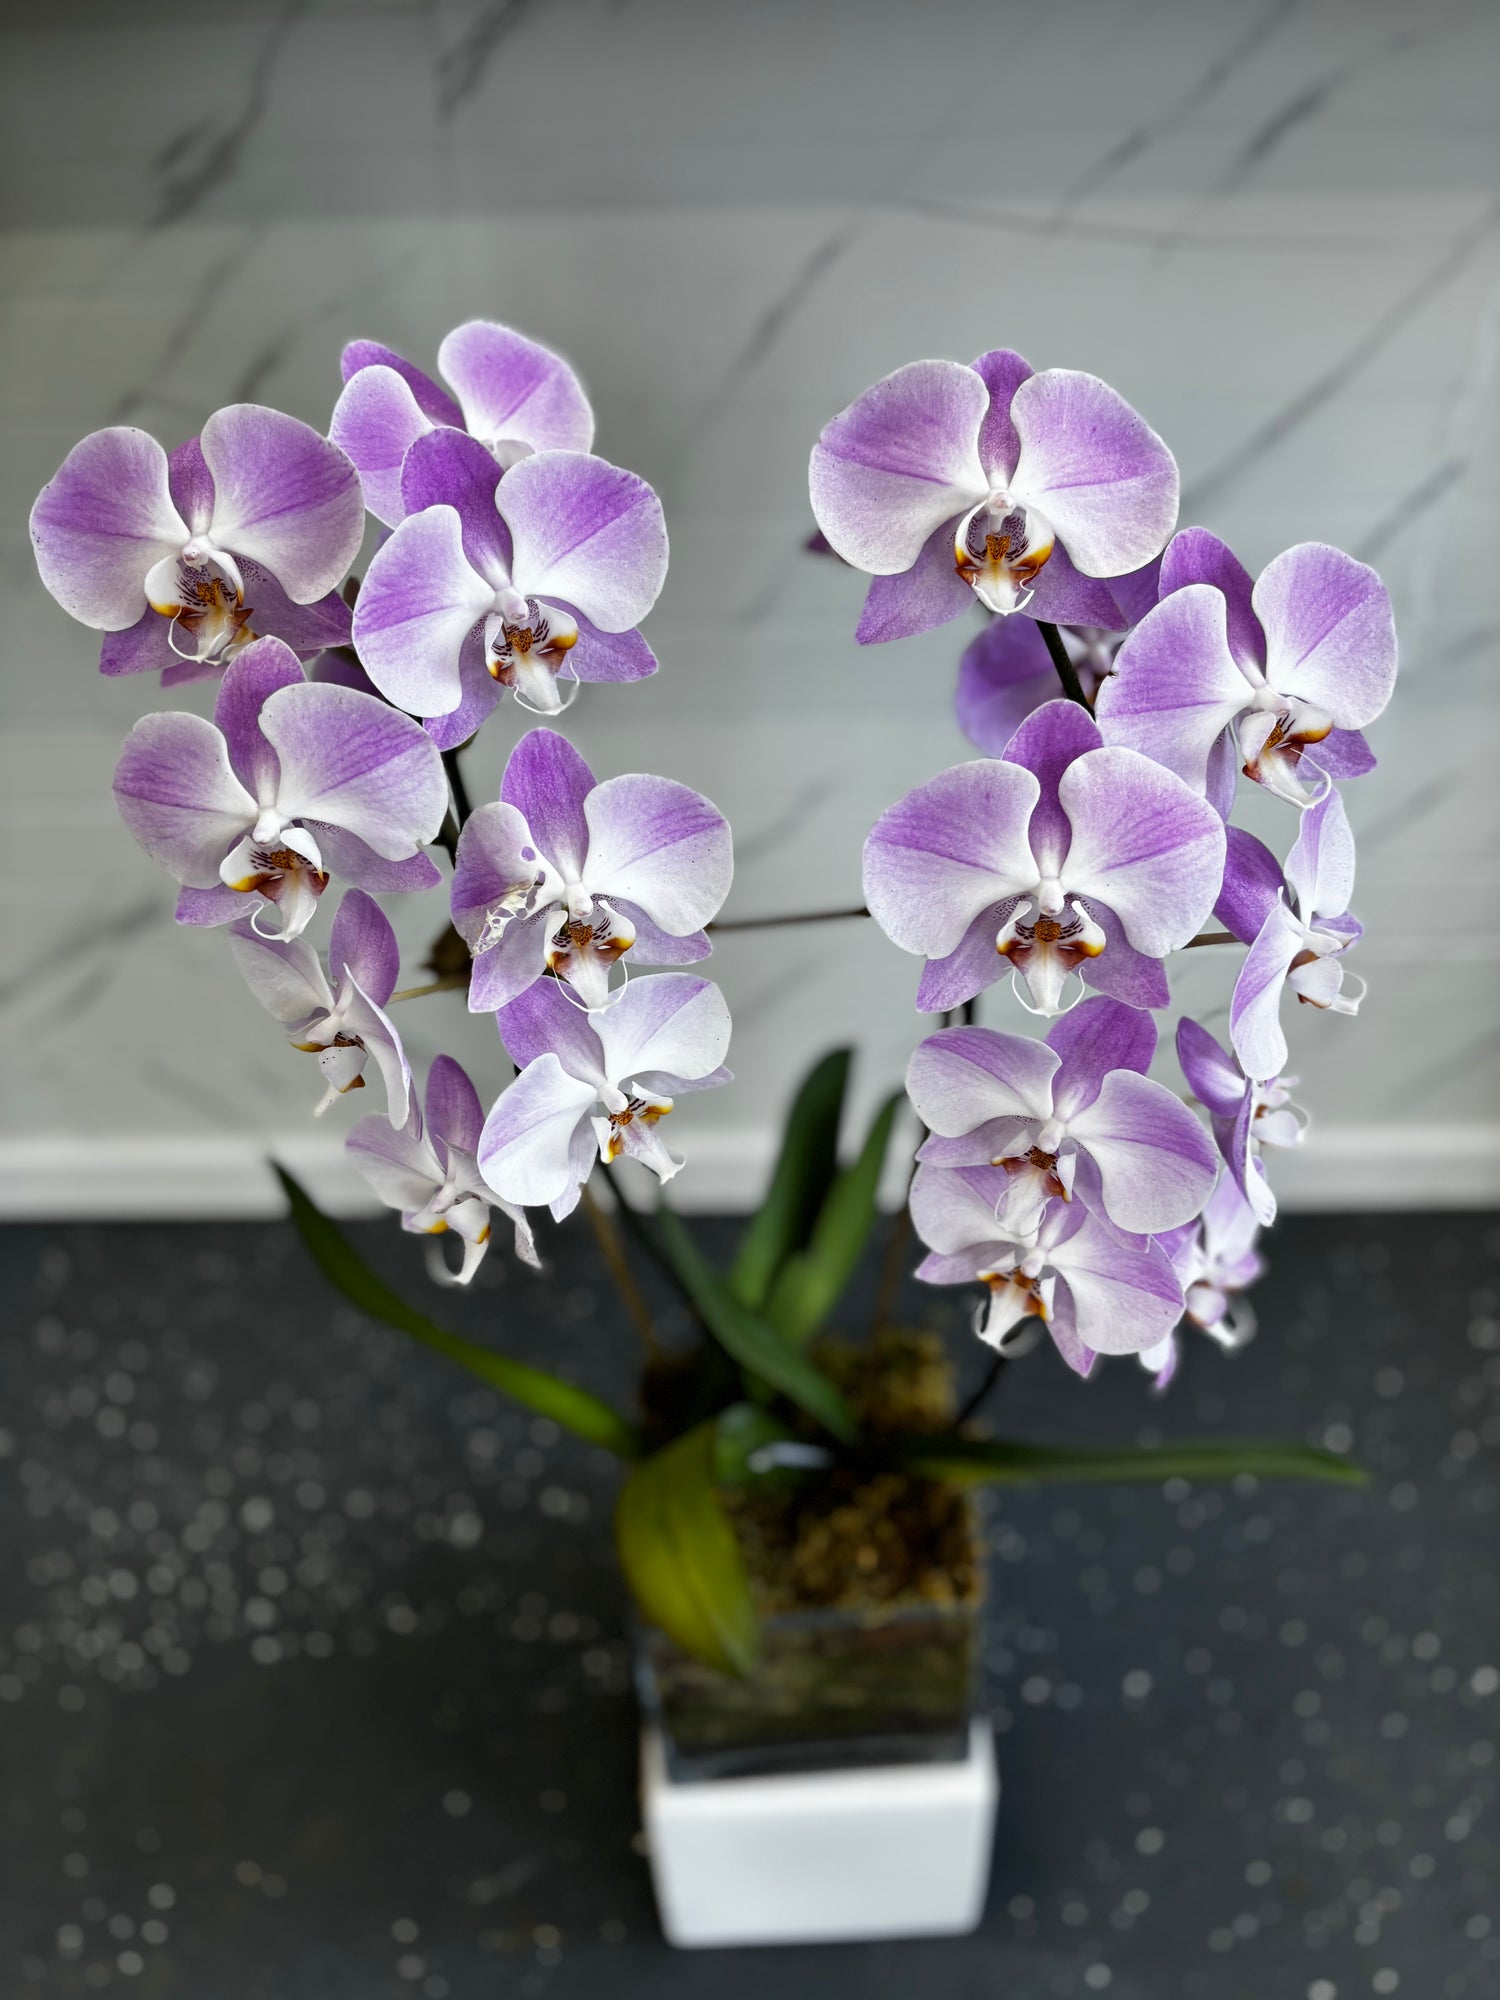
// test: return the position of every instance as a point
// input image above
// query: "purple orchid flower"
(565, 875)
(666, 1034)
(1007, 673)
(1074, 1114)
(429, 1171)
(1297, 930)
(1215, 1258)
(515, 582)
(292, 781)
(244, 532)
(1271, 676)
(1096, 1289)
(948, 483)
(1062, 856)
(1245, 1114)
(515, 396)
(339, 1016)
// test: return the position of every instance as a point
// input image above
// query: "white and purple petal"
(919, 599)
(661, 845)
(899, 463)
(514, 392)
(103, 521)
(587, 533)
(1003, 675)
(1175, 688)
(671, 1024)
(283, 496)
(1320, 866)
(352, 761)
(375, 421)
(1252, 884)
(526, 1148)
(1197, 557)
(1092, 1039)
(420, 601)
(1143, 843)
(1095, 468)
(1156, 1163)
(941, 856)
(448, 469)
(1330, 632)
(963, 1078)
(179, 796)
(1125, 1294)
(1255, 1007)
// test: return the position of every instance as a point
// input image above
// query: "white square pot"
(895, 1850)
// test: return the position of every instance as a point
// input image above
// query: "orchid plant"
(1126, 678)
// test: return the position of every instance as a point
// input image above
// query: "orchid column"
(1092, 841)
(516, 561)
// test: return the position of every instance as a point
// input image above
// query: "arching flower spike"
(427, 1169)
(513, 395)
(568, 876)
(597, 1086)
(522, 582)
(1278, 676)
(1063, 856)
(291, 782)
(339, 1016)
(947, 483)
(1075, 1114)
(244, 532)
(1096, 1289)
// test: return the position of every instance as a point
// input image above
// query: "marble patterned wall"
(1275, 228)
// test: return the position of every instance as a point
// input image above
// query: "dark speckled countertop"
(314, 1680)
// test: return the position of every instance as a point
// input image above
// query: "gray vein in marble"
(1377, 543)
(801, 808)
(282, 343)
(205, 155)
(1205, 87)
(1333, 381)
(461, 69)
(1398, 820)
(1090, 229)
(1314, 98)
(102, 936)
(211, 282)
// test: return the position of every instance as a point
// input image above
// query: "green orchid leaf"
(573, 1408)
(994, 1461)
(680, 1556)
(812, 1280)
(752, 1341)
(805, 1169)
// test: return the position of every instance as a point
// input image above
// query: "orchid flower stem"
(1067, 673)
(892, 1268)
(450, 982)
(607, 1236)
(462, 807)
(1212, 937)
(800, 917)
(991, 1377)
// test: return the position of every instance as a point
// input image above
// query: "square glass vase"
(834, 1689)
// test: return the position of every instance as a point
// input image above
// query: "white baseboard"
(1374, 1166)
